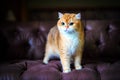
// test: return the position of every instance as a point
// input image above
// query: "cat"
(66, 41)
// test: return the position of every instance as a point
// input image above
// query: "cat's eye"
(71, 23)
(63, 23)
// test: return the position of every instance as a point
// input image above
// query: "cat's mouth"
(68, 30)
(67, 27)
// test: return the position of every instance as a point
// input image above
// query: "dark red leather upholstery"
(22, 47)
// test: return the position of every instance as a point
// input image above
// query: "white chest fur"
(72, 42)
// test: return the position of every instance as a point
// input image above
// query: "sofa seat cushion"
(109, 71)
(36, 70)
(12, 71)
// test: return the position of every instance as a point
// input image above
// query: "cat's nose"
(67, 27)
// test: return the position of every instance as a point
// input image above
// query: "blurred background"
(42, 10)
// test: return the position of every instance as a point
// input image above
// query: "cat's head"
(68, 22)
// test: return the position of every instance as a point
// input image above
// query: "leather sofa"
(22, 47)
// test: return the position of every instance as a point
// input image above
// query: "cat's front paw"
(78, 67)
(67, 71)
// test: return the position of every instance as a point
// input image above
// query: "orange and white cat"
(66, 41)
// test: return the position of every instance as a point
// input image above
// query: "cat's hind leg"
(48, 55)
(46, 59)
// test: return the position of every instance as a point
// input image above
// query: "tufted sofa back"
(102, 40)
(27, 40)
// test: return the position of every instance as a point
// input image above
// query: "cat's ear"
(78, 16)
(60, 15)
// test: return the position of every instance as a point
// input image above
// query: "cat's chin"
(69, 31)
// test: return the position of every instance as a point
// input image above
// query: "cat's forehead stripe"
(71, 20)
(68, 17)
